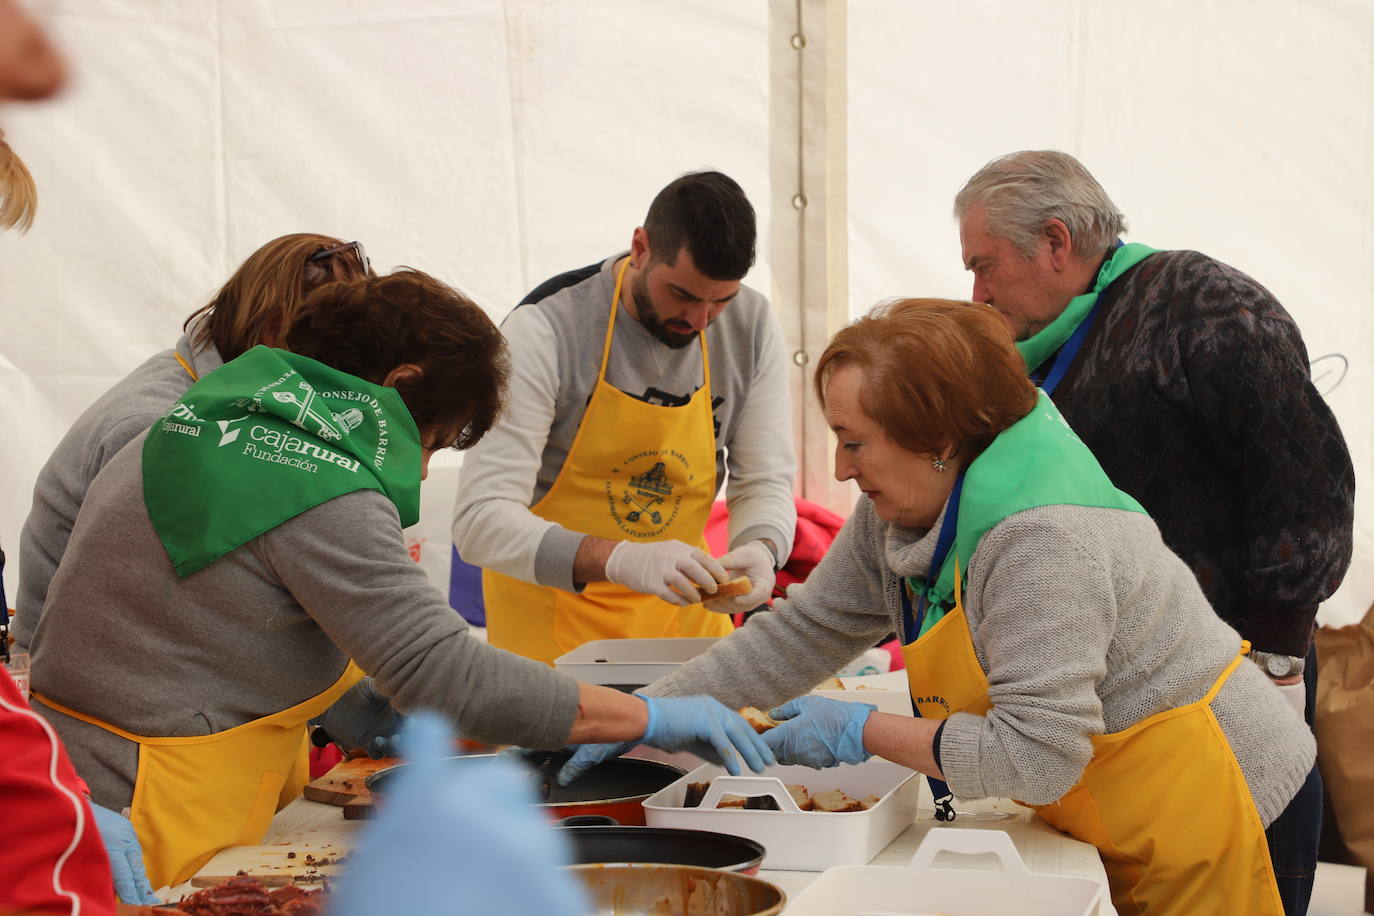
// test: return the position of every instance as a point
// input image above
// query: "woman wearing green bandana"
(236, 568)
(1057, 651)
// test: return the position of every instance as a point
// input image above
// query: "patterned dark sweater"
(1193, 390)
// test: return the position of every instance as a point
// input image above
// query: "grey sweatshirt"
(120, 414)
(556, 344)
(1083, 621)
(266, 626)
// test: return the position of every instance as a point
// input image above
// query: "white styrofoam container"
(889, 692)
(633, 662)
(793, 839)
(918, 888)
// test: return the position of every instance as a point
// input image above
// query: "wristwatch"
(1276, 665)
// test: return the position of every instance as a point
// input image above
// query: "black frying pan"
(615, 788)
(664, 846)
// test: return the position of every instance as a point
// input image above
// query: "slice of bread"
(802, 796)
(837, 801)
(730, 588)
(733, 588)
(759, 719)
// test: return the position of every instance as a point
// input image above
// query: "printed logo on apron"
(640, 496)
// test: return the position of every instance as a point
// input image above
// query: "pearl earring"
(938, 463)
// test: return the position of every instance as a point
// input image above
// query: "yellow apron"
(196, 795)
(635, 471)
(1178, 830)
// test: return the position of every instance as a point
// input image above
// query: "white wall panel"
(1241, 129)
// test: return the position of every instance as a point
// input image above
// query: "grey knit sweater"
(117, 416)
(1083, 621)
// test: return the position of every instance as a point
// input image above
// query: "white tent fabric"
(497, 142)
(1240, 129)
(493, 144)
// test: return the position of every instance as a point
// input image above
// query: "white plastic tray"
(793, 839)
(918, 888)
(889, 692)
(630, 662)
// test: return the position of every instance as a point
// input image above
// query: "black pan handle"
(589, 820)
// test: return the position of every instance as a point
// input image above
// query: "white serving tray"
(918, 889)
(793, 839)
(631, 662)
(889, 692)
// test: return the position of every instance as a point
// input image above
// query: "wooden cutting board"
(344, 785)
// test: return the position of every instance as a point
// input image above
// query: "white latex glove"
(676, 572)
(755, 561)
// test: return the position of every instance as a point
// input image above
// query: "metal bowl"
(676, 890)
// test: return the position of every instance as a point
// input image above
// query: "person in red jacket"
(51, 856)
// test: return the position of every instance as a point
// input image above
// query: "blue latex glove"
(699, 725)
(450, 842)
(363, 722)
(126, 857)
(819, 732)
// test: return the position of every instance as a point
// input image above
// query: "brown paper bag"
(1345, 736)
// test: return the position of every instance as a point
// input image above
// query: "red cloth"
(51, 857)
(324, 759)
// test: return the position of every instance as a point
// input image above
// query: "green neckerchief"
(264, 438)
(1040, 347)
(1037, 461)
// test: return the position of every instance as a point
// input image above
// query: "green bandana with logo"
(264, 438)
(1037, 461)
(1040, 347)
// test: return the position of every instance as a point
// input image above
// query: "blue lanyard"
(1065, 357)
(911, 626)
(912, 620)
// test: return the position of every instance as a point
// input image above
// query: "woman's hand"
(126, 856)
(819, 732)
(700, 725)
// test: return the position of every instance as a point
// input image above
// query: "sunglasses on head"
(355, 247)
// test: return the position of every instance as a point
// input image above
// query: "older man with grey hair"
(1191, 384)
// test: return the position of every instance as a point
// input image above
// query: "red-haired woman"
(1057, 651)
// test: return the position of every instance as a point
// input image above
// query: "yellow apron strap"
(351, 675)
(187, 366)
(610, 325)
(1230, 669)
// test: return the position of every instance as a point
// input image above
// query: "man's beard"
(648, 316)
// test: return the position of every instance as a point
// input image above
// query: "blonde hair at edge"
(20, 197)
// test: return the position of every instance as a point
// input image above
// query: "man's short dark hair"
(708, 214)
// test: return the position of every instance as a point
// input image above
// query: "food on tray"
(244, 895)
(802, 797)
(129, 909)
(696, 791)
(836, 800)
(831, 683)
(759, 719)
(833, 800)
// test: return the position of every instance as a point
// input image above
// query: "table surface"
(309, 828)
